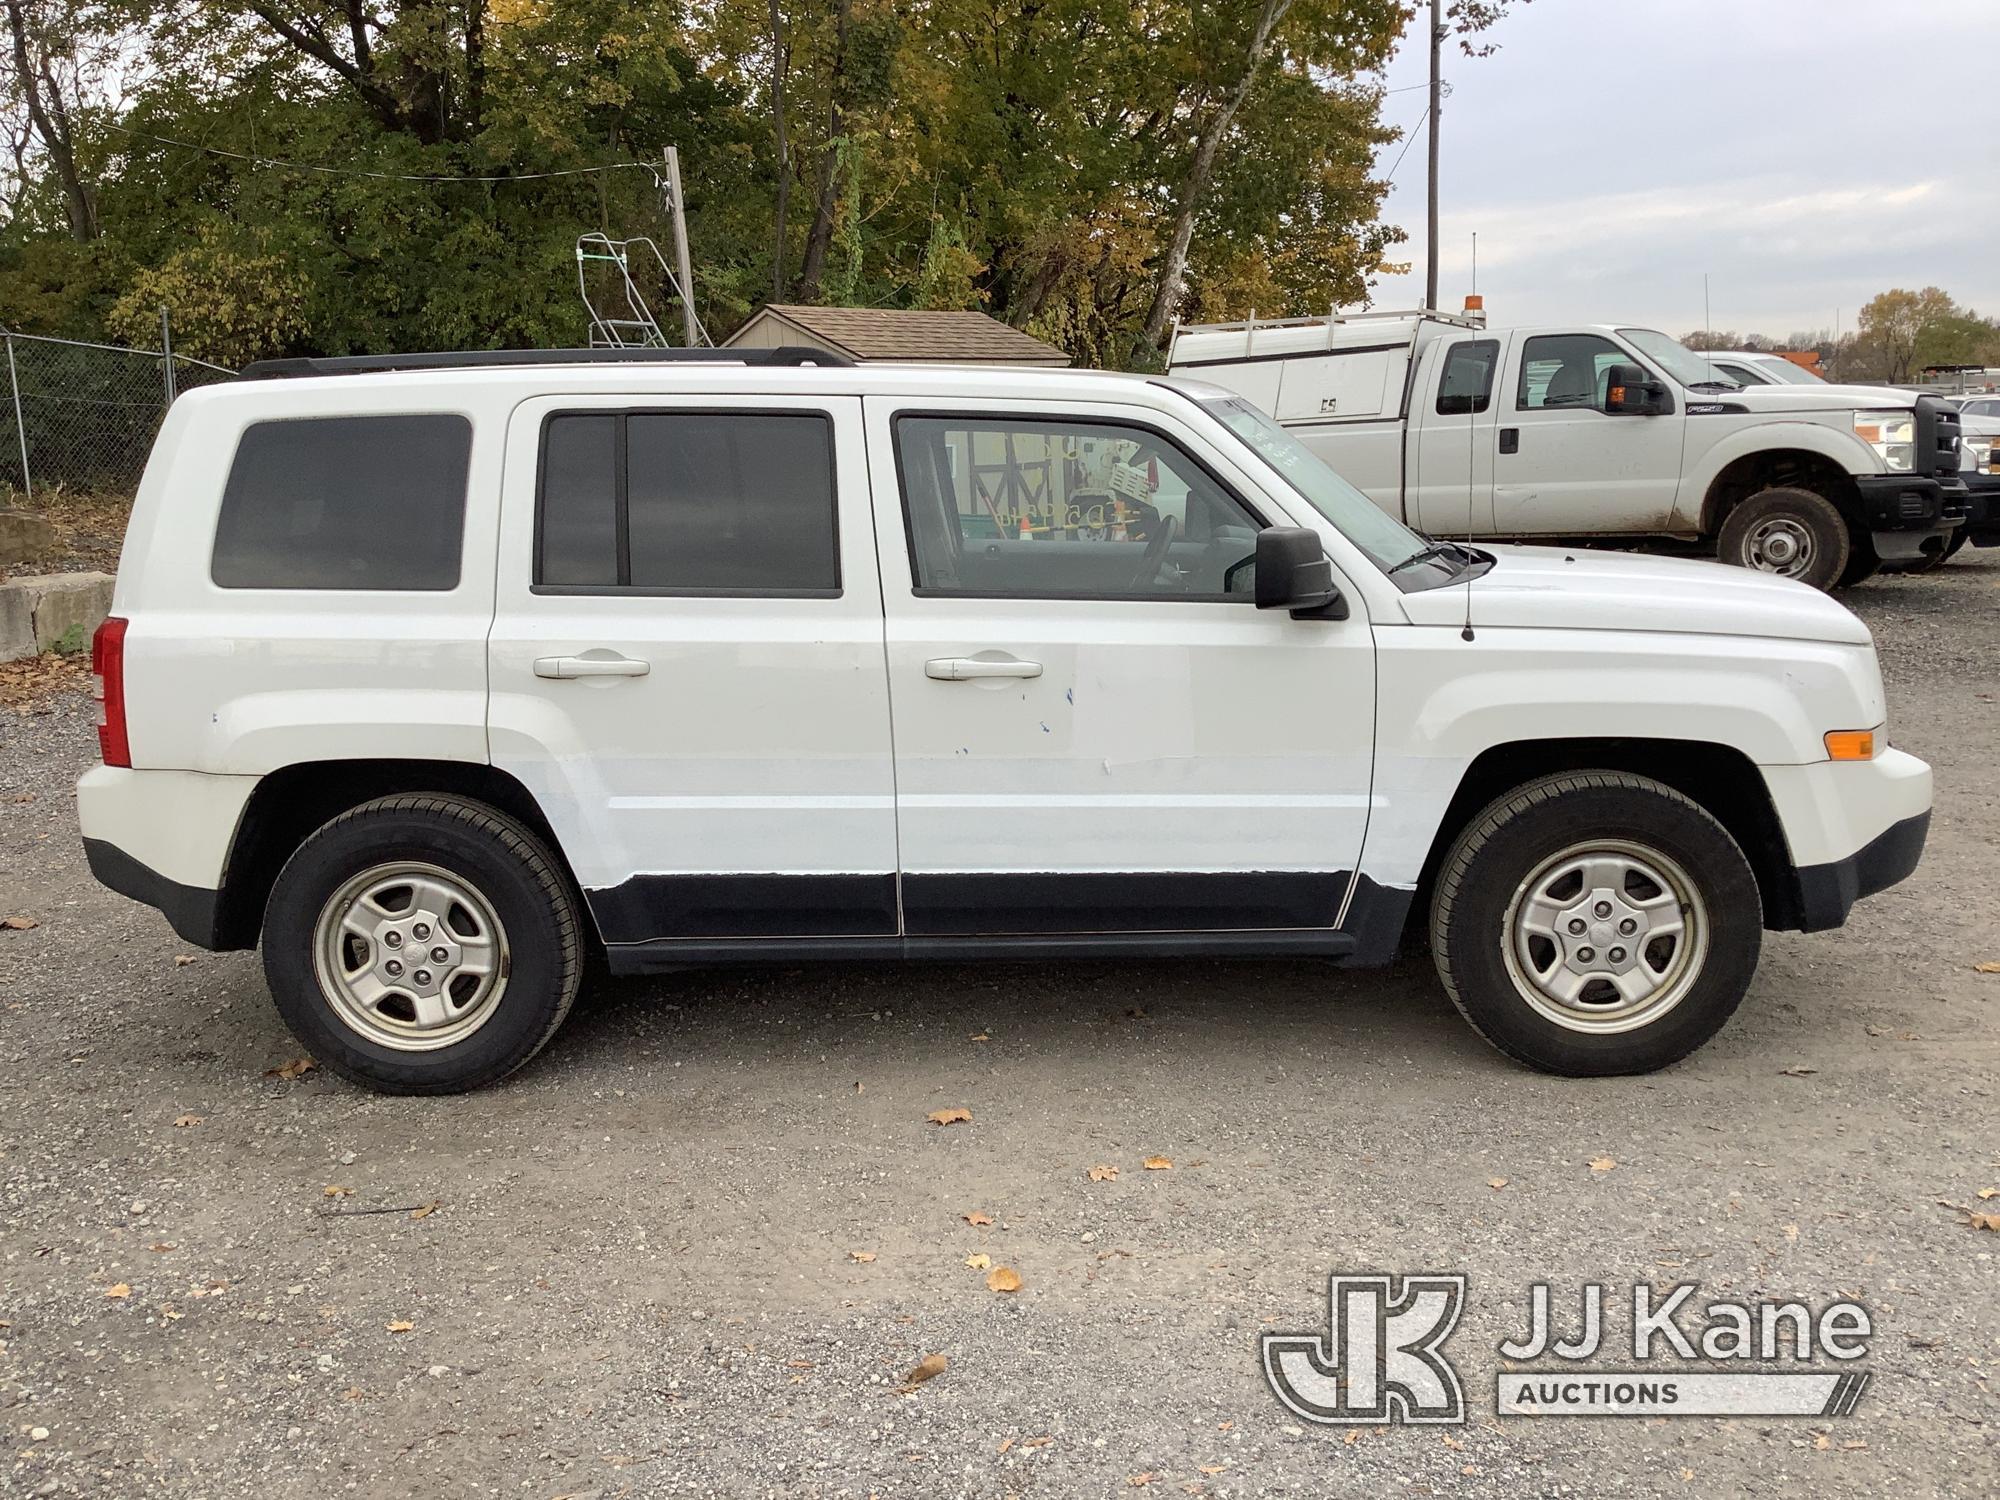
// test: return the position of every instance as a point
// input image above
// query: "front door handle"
(562, 668)
(965, 668)
(1510, 440)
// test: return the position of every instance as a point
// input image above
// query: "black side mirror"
(1293, 573)
(1631, 392)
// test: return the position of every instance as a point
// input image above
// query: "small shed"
(902, 335)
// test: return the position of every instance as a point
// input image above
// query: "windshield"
(1786, 373)
(1385, 539)
(1679, 361)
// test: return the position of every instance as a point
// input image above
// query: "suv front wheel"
(1596, 923)
(422, 944)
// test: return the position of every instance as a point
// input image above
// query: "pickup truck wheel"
(422, 945)
(1791, 532)
(1596, 923)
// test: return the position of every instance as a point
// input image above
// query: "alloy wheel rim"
(411, 956)
(1605, 937)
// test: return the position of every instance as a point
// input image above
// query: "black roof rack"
(473, 359)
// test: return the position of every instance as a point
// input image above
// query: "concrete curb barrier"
(38, 611)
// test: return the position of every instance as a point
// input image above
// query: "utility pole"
(690, 330)
(1437, 99)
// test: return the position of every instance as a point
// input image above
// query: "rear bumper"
(192, 911)
(163, 837)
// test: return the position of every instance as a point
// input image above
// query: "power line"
(1408, 140)
(436, 177)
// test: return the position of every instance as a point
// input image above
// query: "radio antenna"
(1471, 460)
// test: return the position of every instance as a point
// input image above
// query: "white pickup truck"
(1593, 431)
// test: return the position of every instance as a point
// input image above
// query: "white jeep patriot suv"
(435, 673)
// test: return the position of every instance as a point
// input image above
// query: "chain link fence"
(82, 416)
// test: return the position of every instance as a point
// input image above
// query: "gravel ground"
(649, 1272)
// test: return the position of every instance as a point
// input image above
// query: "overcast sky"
(1806, 154)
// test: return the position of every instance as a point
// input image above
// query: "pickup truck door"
(1096, 730)
(1562, 465)
(1452, 416)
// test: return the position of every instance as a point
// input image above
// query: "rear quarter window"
(364, 503)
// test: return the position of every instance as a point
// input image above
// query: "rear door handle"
(965, 668)
(562, 668)
(1510, 440)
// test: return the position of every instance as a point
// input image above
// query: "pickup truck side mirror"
(1631, 392)
(1293, 573)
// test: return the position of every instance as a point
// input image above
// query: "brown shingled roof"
(895, 333)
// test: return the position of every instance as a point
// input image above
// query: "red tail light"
(107, 666)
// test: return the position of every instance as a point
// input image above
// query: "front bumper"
(1982, 517)
(1826, 893)
(1910, 502)
(1851, 829)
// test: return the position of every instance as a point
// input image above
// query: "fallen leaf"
(979, 1262)
(425, 1210)
(1040, 1442)
(1138, 1480)
(1451, 1442)
(1797, 1072)
(864, 1256)
(1990, 966)
(18, 924)
(1496, 1183)
(339, 1192)
(954, 1116)
(161, 1248)
(1158, 1164)
(187, 1122)
(1854, 1445)
(1602, 1164)
(1983, 1221)
(1686, 1475)
(1989, 1192)
(293, 1069)
(977, 1219)
(929, 1368)
(120, 1291)
(860, 1087)
(1822, 1442)
(1353, 1436)
(1211, 1468)
(982, 1037)
(1003, 1279)
(1005, 1444)
(182, 960)
(399, 1326)
(1103, 1174)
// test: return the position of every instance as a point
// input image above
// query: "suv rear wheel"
(422, 945)
(1596, 923)
(1791, 532)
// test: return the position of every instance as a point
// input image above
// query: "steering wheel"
(1156, 552)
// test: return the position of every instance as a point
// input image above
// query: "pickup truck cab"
(435, 674)
(1596, 431)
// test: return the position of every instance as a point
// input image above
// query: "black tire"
(1518, 836)
(508, 867)
(1937, 559)
(1863, 563)
(1747, 534)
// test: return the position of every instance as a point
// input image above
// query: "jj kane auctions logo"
(1382, 1356)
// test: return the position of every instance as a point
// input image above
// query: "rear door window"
(688, 502)
(368, 503)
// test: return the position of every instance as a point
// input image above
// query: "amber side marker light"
(1850, 744)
